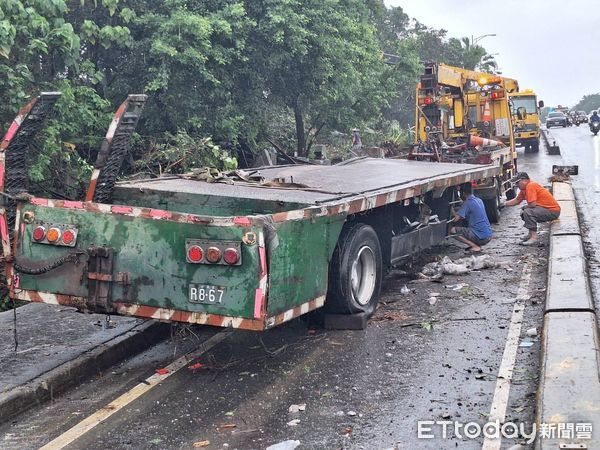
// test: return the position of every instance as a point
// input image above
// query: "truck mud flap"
(408, 244)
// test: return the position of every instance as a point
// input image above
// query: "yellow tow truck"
(526, 119)
(464, 116)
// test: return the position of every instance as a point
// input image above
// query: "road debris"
(459, 267)
(351, 413)
(532, 332)
(405, 290)
(201, 444)
(297, 408)
(162, 371)
(294, 422)
(285, 445)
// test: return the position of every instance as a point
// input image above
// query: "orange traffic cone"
(487, 113)
(476, 140)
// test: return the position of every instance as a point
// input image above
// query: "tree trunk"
(300, 137)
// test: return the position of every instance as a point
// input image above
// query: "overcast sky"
(545, 44)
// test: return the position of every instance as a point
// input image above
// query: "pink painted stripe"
(243, 221)
(2, 176)
(39, 201)
(72, 204)
(263, 261)
(121, 209)
(160, 214)
(4, 229)
(259, 298)
(11, 131)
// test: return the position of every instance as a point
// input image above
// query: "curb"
(89, 363)
(568, 397)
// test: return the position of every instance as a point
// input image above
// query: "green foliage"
(588, 103)
(221, 74)
(180, 153)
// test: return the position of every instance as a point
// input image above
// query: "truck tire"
(492, 209)
(536, 146)
(355, 272)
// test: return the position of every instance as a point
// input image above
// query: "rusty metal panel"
(144, 262)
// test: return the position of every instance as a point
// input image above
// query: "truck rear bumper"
(173, 315)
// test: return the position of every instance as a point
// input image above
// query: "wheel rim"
(363, 276)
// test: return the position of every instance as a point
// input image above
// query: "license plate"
(207, 294)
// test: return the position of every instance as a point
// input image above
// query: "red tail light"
(39, 233)
(195, 253)
(68, 237)
(231, 256)
(496, 95)
(428, 100)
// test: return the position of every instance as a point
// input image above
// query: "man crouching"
(540, 207)
(479, 231)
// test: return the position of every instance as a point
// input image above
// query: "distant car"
(556, 119)
(583, 118)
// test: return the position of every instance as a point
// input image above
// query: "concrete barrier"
(568, 400)
(567, 288)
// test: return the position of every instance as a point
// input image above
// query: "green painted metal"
(151, 251)
(298, 266)
(198, 203)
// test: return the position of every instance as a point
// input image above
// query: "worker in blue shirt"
(478, 232)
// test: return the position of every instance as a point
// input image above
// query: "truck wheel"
(492, 209)
(535, 146)
(355, 272)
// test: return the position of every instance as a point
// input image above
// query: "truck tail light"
(53, 235)
(497, 95)
(195, 253)
(68, 236)
(213, 252)
(428, 100)
(213, 255)
(231, 256)
(39, 233)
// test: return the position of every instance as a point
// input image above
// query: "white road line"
(102, 414)
(505, 373)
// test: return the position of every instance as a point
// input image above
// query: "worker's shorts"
(533, 216)
(469, 235)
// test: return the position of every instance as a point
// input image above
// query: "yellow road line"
(104, 413)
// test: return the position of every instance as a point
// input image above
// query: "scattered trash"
(347, 430)
(531, 332)
(296, 408)
(162, 371)
(426, 326)
(293, 423)
(229, 413)
(389, 315)
(285, 445)
(227, 426)
(459, 267)
(456, 287)
(195, 366)
(405, 290)
(351, 413)
(201, 444)
(525, 343)
(432, 300)
(434, 294)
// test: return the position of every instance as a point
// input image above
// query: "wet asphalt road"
(362, 389)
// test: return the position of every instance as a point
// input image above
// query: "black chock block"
(554, 149)
(346, 321)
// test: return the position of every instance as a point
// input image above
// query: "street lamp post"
(478, 38)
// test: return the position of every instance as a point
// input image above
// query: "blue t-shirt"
(474, 211)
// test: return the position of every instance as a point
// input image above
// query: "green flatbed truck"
(241, 254)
